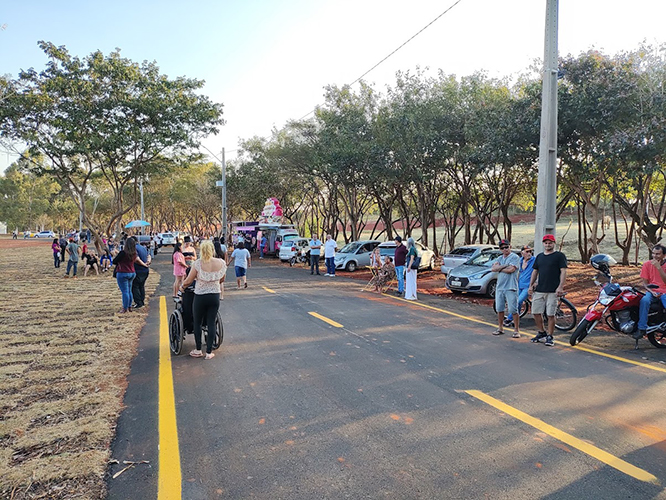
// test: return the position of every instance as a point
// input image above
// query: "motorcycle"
(618, 306)
(302, 257)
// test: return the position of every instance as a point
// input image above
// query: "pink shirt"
(179, 266)
(649, 273)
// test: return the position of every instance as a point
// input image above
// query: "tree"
(107, 116)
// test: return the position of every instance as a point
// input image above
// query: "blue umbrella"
(138, 223)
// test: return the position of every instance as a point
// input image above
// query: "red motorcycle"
(618, 306)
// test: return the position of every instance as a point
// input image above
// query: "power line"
(399, 47)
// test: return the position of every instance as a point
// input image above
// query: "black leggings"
(205, 307)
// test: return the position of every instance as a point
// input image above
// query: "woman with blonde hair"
(208, 272)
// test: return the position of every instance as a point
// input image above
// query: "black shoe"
(539, 336)
(312, 274)
(318, 274)
(549, 341)
(398, 293)
(137, 306)
(639, 334)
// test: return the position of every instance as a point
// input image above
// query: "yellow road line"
(415, 303)
(268, 290)
(169, 479)
(612, 356)
(326, 320)
(574, 442)
(565, 344)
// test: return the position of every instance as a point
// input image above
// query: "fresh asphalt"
(293, 407)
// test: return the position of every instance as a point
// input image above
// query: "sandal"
(196, 354)
(515, 335)
(498, 332)
(210, 355)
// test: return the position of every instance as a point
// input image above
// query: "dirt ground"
(64, 358)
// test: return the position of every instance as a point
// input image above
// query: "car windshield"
(167, 235)
(463, 252)
(350, 247)
(485, 259)
(384, 251)
(289, 237)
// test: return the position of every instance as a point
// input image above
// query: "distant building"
(3, 228)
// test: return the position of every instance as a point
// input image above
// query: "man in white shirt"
(329, 254)
(242, 260)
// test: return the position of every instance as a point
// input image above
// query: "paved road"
(294, 407)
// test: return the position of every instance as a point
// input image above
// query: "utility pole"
(223, 185)
(224, 197)
(141, 191)
(547, 180)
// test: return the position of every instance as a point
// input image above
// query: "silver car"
(475, 276)
(355, 254)
(460, 255)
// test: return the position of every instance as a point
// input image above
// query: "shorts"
(240, 271)
(542, 301)
(508, 297)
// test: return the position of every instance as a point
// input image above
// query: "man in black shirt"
(547, 283)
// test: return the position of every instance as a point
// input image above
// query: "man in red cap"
(547, 283)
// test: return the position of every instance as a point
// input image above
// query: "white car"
(45, 234)
(292, 247)
(168, 239)
(460, 255)
(387, 249)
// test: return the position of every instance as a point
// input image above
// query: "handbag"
(416, 263)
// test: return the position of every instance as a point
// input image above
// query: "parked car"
(387, 249)
(45, 234)
(460, 255)
(168, 239)
(475, 276)
(29, 234)
(355, 254)
(144, 239)
(293, 246)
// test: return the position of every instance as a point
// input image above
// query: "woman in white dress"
(410, 278)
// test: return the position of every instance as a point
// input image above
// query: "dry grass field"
(64, 358)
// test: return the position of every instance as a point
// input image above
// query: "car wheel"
(490, 291)
(351, 266)
(456, 292)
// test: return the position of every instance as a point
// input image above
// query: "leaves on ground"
(64, 361)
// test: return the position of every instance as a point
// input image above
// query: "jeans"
(205, 307)
(139, 288)
(125, 284)
(56, 259)
(314, 263)
(70, 264)
(644, 308)
(261, 252)
(330, 265)
(400, 273)
(522, 295)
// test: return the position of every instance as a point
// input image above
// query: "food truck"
(276, 234)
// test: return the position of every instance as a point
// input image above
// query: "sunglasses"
(528, 251)
(503, 247)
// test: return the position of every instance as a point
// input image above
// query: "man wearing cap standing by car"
(506, 292)
(547, 283)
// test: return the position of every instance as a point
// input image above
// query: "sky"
(268, 61)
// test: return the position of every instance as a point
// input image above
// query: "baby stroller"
(181, 322)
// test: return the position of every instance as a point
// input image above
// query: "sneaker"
(639, 334)
(326, 274)
(332, 275)
(539, 336)
(549, 341)
(398, 293)
(508, 322)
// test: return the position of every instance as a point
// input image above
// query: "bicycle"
(181, 323)
(566, 315)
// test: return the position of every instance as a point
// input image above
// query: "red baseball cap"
(548, 237)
